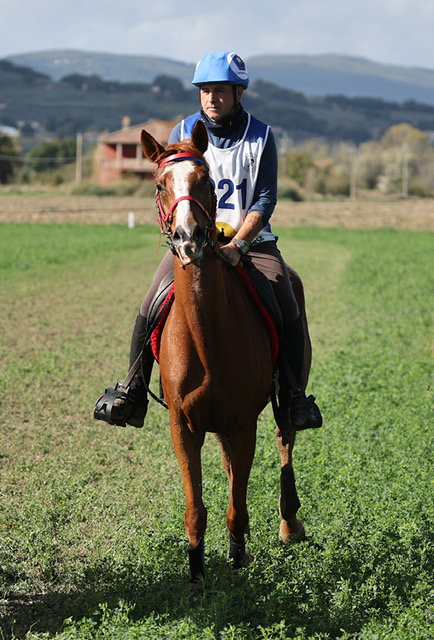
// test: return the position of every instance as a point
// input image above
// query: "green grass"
(92, 544)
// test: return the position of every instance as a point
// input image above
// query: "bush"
(338, 185)
(291, 193)
(52, 154)
(297, 165)
(88, 188)
(116, 189)
(9, 149)
(289, 189)
(417, 187)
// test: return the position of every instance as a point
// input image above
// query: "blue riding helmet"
(221, 66)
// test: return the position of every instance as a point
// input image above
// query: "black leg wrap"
(197, 562)
(237, 554)
(289, 502)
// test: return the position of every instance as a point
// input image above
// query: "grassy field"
(24, 205)
(92, 544)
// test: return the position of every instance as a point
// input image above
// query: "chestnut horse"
(215, 355)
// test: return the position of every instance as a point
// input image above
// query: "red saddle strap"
(164, 311)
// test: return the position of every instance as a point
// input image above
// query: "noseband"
(165, 217)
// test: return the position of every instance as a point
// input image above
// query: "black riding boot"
(303, 412)
(122, 406)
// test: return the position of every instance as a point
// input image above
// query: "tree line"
(87, 103)
(400, 162)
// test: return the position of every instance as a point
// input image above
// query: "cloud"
(391, 31)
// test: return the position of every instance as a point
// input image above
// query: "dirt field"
(411, 214)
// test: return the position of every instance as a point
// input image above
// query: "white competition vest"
(234, 172)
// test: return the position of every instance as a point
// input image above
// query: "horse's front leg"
(187, 447)
(291, 528)
(238, 455)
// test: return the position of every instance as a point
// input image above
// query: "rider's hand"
(230, 253)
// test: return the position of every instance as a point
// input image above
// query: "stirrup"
(104, 406)
(305, 413)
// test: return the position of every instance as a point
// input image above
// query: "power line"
(54, 159)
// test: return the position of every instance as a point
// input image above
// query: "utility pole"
(405, 150)
(353, 172)
(79, 158)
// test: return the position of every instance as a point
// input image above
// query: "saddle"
(262, 295)
(258, 287)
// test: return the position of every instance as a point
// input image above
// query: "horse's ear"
(199, 137)
(151, 148)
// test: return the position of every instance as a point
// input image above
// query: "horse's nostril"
(179, 234)
(189, 249)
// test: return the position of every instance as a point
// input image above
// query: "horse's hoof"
(196, 587)
(293, 537)
(248, 558)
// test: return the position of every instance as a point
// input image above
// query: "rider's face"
(219, 100)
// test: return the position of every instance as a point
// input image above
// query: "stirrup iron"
(104, 405)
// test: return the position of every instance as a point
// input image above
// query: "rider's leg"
(132, 408)
(304, 413)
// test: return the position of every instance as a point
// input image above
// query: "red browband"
(176, 157)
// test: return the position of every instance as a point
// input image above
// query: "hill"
(108, 66)
(37, 105)
(319, 75)
(313, 75)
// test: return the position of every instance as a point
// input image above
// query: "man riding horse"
(242, 157)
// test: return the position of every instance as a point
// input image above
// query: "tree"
(401, 144)
(47, 155)
(370, 165)
(297, 165)
(404, 133)
(169, 87)
(90, 83)
(8, 150)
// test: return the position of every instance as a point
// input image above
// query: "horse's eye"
(159, 187)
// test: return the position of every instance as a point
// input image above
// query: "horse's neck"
(201, 293)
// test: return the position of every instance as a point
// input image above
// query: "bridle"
(165, 217)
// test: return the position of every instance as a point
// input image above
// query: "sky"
(397, 32)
